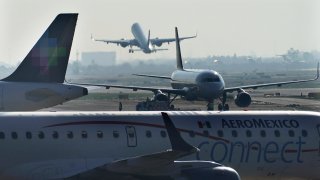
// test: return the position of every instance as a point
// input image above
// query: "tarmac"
(263, 99)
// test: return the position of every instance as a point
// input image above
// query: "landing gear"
(223, 106)
(131, 51)
(210, 106)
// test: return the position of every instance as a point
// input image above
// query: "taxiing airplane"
(38, 81)
(196, 84)
(146, 44)
(160, 145)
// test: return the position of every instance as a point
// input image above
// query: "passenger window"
(70, 134)
(84, 134)
(234, 133)
(2, 135)
(192, 134)
(99, 134)
(291, 133)
(148, 134)
(304, 133)
(116, 134)
(277, 133)
(208, 124)
(263, 133)
(249, 134)
(28, 135)
(14, 135)
(220, 133)
(41, 135)
(55, 135)
(163, 134)
(200, 125)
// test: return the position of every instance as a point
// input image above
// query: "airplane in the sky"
(144, 43)
(38, 81)
(196, 84)
(160, 145)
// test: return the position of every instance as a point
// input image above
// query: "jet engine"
(190, 94)
(123, 45)
(160, 96)
(158, 44)
(219, 173)
(242, 99)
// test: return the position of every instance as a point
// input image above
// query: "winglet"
(177, 142)
(178, 51)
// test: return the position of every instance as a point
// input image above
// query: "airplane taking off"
(160, 145)
(38, 81)
(146, 44)
(196, 84)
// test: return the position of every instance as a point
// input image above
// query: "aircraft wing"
(153, 76)
(255, 86)
(136, 88)
(122, 42)
(168, 40)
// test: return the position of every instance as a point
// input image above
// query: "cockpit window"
(211, 79)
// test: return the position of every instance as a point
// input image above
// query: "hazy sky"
(224, 27)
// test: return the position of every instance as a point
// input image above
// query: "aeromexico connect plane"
(199, 84)
(146, 44)
(160, 145)
(38, 81)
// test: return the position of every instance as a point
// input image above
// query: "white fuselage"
(206, 84)
(258, 145)
(28, 96)
(141, 38)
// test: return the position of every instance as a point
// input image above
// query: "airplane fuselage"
(141, 38)
(28, 96)
(204, 84)
(257, 144)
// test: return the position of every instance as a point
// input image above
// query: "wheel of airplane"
(226, 107)
(220, 107)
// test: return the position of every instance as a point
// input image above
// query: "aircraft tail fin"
(48, 59)
(317, 76)
(148, 37)
(178, 51)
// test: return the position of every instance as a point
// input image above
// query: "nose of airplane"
(211, 90)
(85, 91)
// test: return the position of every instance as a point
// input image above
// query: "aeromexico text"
(260, 123)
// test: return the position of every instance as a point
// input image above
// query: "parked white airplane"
(196, 84)
(38, 81)
(162, 145)
(146, 44)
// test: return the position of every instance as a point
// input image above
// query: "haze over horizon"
(224, 27)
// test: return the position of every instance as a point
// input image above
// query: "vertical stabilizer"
(148, 38)
(48, 59)
(178, 51)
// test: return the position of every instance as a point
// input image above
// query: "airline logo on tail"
(48, 59)
(46, 54)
